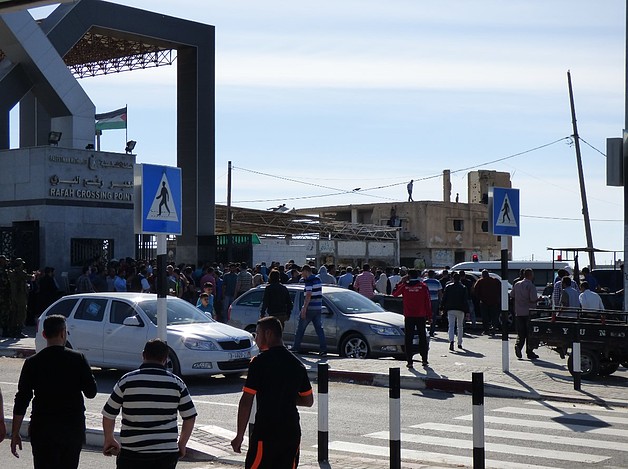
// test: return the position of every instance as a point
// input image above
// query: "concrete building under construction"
(434, 233)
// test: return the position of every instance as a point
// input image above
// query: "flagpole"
(126, 127)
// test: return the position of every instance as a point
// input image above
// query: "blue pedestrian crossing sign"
(160, 187)
(503, 210)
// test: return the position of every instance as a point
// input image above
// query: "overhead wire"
(362, 191)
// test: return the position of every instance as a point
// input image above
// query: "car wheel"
(608, 368)
(589, 364)
(251, 329)
(510, 321)
(354, 346)
(172, 365)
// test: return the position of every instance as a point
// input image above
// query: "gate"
(22, 240)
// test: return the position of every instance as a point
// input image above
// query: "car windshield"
(349, 302)
(179, 312)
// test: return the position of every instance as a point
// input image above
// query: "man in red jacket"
(417, 309)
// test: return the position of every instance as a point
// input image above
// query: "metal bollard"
(323, 412)
(505, 343)
(575, 361)
(394, 395)
(477, 389)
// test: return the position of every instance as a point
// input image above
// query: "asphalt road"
(436, 426)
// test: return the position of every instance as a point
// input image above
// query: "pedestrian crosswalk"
(533, 435)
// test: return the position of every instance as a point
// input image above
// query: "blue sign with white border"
(161, 199)
(504, 211)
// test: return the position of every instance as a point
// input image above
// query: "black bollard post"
(394, 395)
(323, 412)
(477, 389)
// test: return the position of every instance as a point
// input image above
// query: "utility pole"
(583, 192)
(625, 158)
(229, 241)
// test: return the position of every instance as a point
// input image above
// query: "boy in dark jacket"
(456, 305)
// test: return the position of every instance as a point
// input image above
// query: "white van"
(544, 271)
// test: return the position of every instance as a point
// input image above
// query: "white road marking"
(554, 414)
(525, 436)
(495, 447)
(426, 457)
(588, 407)
(611, 431)
(229, 404)
(219, 431)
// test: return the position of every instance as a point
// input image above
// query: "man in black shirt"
(58, 377)
(276, 300)
(279, 381)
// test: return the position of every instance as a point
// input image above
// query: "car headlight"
(385, 330)
(196, 344)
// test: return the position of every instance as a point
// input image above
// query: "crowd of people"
(212, 287)
(275, 377)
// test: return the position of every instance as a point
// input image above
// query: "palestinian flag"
(111, 120)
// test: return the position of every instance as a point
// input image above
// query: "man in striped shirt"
(150, 399)
(311, 311)
(365, 282)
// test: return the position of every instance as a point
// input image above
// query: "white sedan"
(110, 329)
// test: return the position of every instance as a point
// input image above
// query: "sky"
(314, 99)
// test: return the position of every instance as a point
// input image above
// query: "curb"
(413, 383)
(459, 387)
(94, 439)
(17, 352)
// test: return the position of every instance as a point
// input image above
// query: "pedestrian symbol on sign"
(505, 216)
(161, 209)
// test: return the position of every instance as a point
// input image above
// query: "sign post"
(159, 213)
(503, 213)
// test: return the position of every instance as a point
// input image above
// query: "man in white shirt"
(395, 278)
(589, 300)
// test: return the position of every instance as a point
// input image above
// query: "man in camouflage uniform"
(5, 297)
(18, 279)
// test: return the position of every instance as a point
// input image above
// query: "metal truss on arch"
(102, 54)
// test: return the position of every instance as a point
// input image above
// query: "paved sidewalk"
(545, 378)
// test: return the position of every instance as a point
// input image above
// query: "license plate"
(239, 355)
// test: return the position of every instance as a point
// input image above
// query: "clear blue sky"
(364, 93)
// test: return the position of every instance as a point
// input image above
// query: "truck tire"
(589, 363)
(608, 367)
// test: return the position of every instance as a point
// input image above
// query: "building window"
(86, 250)
(458, 225)
(485, 226)
(459, 256)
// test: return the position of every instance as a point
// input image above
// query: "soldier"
(18, 280)
(5, 297)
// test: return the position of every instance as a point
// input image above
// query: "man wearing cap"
(18, 280)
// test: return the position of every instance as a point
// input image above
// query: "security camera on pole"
(503, 214)
(158, 188)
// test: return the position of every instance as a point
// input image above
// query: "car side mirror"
(325, 311)
(132, 321)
